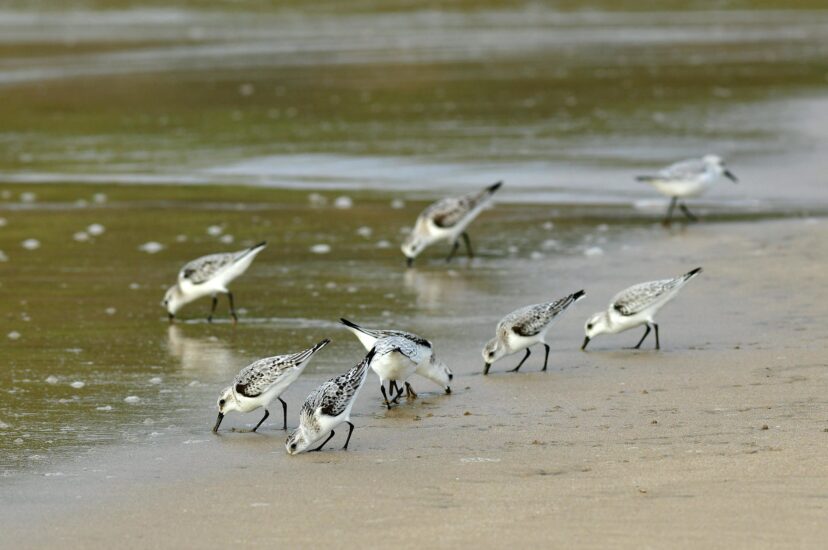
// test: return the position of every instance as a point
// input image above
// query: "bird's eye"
(589, 326)
(293, 446)
(221, 403)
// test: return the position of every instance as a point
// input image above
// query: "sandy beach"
(717, 441)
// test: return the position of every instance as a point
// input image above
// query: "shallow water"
(566, 105)
(89, 311)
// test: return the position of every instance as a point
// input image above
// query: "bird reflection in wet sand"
(203, 354)
(433, 289)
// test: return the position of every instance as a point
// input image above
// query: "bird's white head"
(226, 403)
(716, 164)
(595, 325)
(712, 160)
(416, 242)
(439, 373)
(297, 442)
(173, 300)
(492, 351)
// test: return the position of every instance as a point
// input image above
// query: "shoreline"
(610, 447)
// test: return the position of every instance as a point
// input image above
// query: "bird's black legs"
(267, 413)
(319, 448)
(232, 308)
(658, 344)
(400, 390)
(522, 361)
(284, 414)
(546, 357)
(212, 309)
(350, 431)
(690, 215)
(637, 346)
(669, 217)
(454, 248)
(385, 395)
(409, 391)
(467, 240)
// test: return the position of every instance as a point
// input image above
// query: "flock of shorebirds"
(394, 355)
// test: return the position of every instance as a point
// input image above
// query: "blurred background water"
(113, 112)
(566, 100)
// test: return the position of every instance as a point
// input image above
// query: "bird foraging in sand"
(394, 365)
(636, 306)
(525, 327)
(262, 381)
(327, 407)
(447, 220)
(209, 275)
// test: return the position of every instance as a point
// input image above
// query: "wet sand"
(719, 440)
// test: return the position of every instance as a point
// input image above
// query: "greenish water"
(159, 120)
(88, 311)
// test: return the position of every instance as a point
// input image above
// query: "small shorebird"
(327, 407)
(636, 306)
(525, 327)
(447, 219)
(421, 354)
(689, 178)
(209, 275)
(262, 381)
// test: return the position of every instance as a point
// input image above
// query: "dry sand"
(720, 440)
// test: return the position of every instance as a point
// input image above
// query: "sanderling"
(523, 328)
(327, 407)
(689, 178)
(447, 219)
(427, 364)
(636, 306)
(209, 275)
(262, 381)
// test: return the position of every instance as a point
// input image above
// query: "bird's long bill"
(218, 422)
(486, 367)
(409, 261)
(731, 176)
(171, 316)
(586, 341)
(448, 389)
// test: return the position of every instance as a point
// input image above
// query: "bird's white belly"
(193, 292)
(621, 323)
(247, 404)
(393, 366)
(442, 234)
(328, 423)
(517, 343)
(680, 189)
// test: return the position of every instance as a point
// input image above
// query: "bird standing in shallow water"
(447, 219)
(523, 328)
(636, 306)
(689, 178)
(262, 381)
(209, 275)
